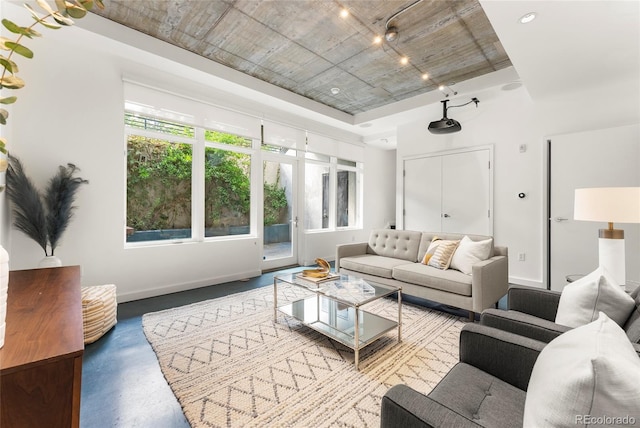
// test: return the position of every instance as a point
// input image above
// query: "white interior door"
(603, 158)
(449, 192)
(423, 193)
(466, 194)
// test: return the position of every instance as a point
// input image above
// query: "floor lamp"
(610, 205)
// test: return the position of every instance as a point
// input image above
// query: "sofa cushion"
(427, 237)
(480, 397)
(446, 280)
(591, 371)
(581, 300)
(399, 244)
(372, 264)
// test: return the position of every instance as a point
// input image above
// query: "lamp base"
(612, 257)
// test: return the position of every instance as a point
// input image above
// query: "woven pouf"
(99, 310)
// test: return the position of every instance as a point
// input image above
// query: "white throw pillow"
(581, 300)
(588, 376)
(470, 252)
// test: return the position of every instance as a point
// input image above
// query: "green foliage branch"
(53, 19)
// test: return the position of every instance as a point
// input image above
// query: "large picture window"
(159, 170)
(160, 181)
(227, 181)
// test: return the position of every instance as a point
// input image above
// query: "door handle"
(446, 215)
(559, 219)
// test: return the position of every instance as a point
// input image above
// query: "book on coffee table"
(314, 280)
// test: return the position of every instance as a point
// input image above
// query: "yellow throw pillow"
(432, 249)
(444, 252)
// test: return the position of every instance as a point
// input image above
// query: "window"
(160, 181)
(227, 195)
(332, 195)
(159, 171)
(316, 196)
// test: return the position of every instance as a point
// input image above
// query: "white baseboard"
(527, 282)
(174, 288)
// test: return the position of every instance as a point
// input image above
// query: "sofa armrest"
(404, 407)
(489, 282)
(504, 355)
(522, 324)
(349, 250)
(538, 302)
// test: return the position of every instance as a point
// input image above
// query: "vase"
(4, 287)
(50, 261)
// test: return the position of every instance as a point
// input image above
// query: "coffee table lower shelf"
(337, 321)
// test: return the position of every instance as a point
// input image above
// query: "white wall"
(506, 120)
(71, 110)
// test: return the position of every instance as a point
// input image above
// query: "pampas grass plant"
(43, 217)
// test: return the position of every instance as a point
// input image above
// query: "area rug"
(230, 364)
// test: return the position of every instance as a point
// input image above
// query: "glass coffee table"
(334, 308)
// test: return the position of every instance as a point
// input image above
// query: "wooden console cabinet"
(41, 361)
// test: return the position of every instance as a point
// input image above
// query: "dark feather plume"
(59, 197)
(27, 204)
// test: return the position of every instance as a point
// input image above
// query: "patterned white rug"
(229, 363)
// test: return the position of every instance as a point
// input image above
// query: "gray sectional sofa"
(394, 257)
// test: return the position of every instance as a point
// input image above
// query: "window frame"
(198, 146)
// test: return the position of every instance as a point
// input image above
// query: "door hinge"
(489, 164)
(489, 213)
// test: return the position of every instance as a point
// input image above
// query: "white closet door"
(603, 158)
(466, 193)
(449, 192)
(423, 194)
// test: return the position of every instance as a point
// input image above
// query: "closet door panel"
(423, 194)
(466, 193)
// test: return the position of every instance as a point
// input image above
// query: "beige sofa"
(394, 257)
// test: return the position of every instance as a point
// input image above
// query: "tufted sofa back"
(399, 244)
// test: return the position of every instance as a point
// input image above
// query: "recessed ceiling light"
(528, 17)
(344, 13)
(425, 76)
(377, 40)
(441, 87)
(404, 60)
(335, 91)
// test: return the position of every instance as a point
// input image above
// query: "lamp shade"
(608, 204)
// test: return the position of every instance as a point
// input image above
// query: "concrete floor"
(122, 385)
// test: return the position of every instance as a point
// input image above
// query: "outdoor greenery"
(159, 183)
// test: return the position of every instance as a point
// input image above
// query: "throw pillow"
(432, 249)
(588, 376)
(470, 252)
(581, 300)
(442, 256)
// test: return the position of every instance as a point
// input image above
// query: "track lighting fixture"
(391, 32)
